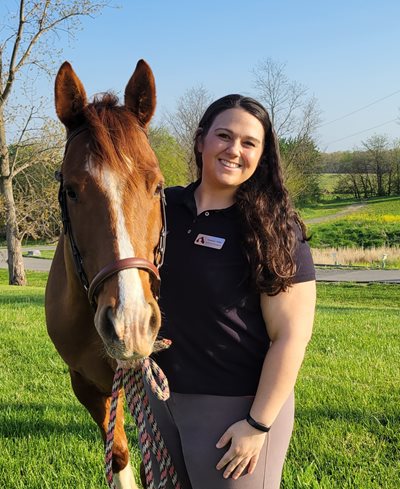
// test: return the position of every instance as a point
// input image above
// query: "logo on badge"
(209, 241)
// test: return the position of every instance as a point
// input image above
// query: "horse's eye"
(158, 189)
(72, 194)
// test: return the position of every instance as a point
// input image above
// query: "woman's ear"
(198, 140)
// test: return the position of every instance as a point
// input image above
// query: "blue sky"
(345, 52)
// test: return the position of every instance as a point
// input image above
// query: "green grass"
(347, 424)
(375, 224)
(322, 209)
(47, 439)
(348, 418)
(328, 181)
(375, 206)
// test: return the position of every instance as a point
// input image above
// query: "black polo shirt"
(214, 319)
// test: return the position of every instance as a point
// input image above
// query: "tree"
(377, 147)
(371, 171)
(301, 163)
(28, 37)
(355, 176)
(295, 117)
(395, 163)
(293, 113)
(35, 188)
(184, 121)
(170, 155)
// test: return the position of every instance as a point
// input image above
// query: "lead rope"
(132, 376)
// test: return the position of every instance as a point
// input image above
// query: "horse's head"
(111, 186)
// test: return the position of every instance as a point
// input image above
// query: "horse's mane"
(117, 137)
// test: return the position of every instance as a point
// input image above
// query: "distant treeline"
(372, 171)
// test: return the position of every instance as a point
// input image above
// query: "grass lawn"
(348, 416)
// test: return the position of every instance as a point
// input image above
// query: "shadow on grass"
(356, 309)
(20, 420)
(19, 299)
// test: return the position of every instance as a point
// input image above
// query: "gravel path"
(346, 210)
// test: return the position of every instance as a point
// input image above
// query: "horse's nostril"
(109, 325)
(154, 322)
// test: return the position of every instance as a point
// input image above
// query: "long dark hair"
(268, 218)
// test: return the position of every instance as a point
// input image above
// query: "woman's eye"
(223, 135)
(249, 143)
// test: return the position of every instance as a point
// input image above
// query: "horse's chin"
(121, 355)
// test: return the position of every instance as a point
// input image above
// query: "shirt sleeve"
(305, 270)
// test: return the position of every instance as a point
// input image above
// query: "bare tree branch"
(14, 158)
(11, 69)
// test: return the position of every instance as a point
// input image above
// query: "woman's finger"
(224, 440)
(227, 458)
(252, 464)
(231, 467)
(240, 468)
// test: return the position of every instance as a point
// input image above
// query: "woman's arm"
(289, 318)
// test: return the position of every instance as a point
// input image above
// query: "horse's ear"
(70, 97)
(140, 93)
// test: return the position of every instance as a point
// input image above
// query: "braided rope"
(132, 376)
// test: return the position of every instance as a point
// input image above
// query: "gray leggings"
(191, 424)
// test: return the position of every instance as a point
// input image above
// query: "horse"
(100, 300)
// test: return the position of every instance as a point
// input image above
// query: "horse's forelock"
(117, 137)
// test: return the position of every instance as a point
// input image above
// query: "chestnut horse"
(111, 196)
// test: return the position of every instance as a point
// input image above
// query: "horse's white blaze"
(125, 478)
(132, 308)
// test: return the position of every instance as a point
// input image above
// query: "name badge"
(209, 241)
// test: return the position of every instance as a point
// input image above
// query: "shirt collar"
(189, 201)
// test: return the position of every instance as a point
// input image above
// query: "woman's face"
(231, 149)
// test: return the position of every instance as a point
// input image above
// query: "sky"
(345, 52)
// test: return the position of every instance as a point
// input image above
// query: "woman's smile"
(230, 164)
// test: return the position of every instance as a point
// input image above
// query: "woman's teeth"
(229, 164)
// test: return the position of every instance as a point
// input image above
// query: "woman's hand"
(244, 450)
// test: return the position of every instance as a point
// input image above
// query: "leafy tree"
(300, 164)
(171, 156)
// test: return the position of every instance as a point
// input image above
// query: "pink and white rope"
(132, 377)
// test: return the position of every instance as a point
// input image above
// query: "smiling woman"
(240, 312)
(230, 150)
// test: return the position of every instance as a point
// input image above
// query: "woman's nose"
(233, 147)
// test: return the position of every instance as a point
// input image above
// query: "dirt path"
(345, 211)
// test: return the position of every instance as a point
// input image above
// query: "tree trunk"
(16, 271)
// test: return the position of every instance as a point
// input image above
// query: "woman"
(238, 298)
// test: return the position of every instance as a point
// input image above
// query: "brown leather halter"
(112, 268)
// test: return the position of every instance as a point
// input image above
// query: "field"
(347, 425)
(372, 223)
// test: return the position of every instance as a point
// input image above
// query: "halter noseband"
(111, 269)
